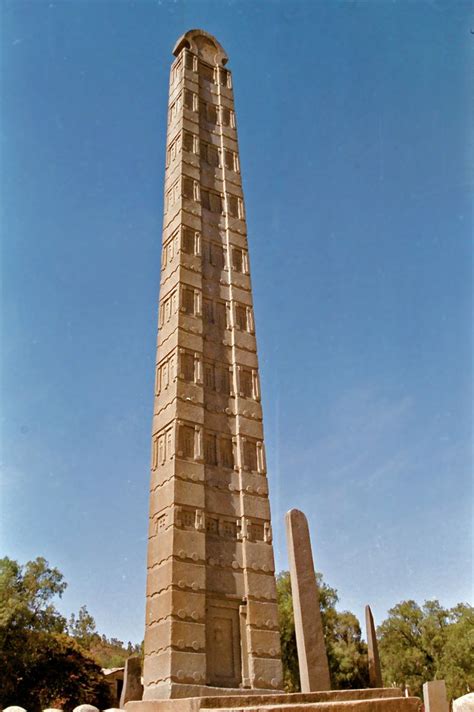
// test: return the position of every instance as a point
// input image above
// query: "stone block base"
(178, 690)
(227, 700)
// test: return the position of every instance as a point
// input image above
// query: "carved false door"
(223, 645)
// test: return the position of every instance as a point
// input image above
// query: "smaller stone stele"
(435, 697)
(464, 703)
(312, 656)
(132, 683)
(85, 708)
(14, 708)
(375, 672)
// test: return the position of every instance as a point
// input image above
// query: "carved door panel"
(223, 646)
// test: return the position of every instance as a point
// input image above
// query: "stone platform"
(368, 700)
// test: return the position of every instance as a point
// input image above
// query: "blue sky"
(355, 140)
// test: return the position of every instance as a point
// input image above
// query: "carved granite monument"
(211, 616)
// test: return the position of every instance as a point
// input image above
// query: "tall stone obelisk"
(211, 617)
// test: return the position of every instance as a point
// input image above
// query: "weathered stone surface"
(312, 657)
(368, 700)
(210, 548)
(435, 697)
(464, 703)
(132, 683)
(56, 709)
(302, 698)
(86, 708)
(375, 673)
(14, 708)
(365, 706)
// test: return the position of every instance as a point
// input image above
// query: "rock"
(464, 703)
(14, 708)
(85, 708)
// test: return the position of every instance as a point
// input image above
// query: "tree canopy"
(107, 652)
(45, 661)
(428, 642)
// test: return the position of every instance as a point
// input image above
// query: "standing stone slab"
(312, 657)
(132, 683)
(375, 673)
(435, 697)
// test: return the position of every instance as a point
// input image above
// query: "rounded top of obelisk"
(204, 45)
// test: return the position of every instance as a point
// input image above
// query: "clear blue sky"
(354, 125)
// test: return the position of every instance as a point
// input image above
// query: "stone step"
(383, 704)
(255, 699)
(387, 699)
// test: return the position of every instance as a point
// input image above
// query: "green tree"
(110, 652)
(289, 654)
(82, 628)
(457, 665)
(107, 652)
(25, 597)
(40, 665)
(429, 642)
(347, 653)
(55, 673)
